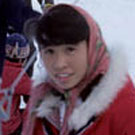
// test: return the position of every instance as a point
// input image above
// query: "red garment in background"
(10, 73)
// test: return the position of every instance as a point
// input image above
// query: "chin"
(66, 87)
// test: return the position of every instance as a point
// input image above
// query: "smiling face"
(66, 64)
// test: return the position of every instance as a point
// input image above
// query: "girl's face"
(66, 64)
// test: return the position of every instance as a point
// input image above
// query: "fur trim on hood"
(101, 96)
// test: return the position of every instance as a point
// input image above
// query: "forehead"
(60, 46)
(76, 45)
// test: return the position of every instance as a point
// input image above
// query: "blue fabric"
(17, 38)
(17, 46)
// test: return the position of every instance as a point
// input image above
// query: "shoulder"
(123, 113)
(123, 108)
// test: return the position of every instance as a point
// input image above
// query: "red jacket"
(117, 119)
(10, 73)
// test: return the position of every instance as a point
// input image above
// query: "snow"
(116, 19)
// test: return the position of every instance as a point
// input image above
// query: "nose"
(60, 62)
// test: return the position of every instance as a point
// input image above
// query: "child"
(17, 51)
(87, 90)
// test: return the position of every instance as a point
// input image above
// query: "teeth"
(63, 75)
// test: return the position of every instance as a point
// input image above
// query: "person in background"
(13, 14)
(87, 90)
(17, 51)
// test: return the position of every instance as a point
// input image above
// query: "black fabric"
(86, 92)
(49, 129)
(3, 30)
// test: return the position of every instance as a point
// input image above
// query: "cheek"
(84, 66)
(46, 63)
(83, 62)
(80, 65)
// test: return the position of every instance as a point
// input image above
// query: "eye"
(70, 49)
(49, 51)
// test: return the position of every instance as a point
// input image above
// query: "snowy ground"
(117, 20)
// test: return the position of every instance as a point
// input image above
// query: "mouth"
(63, 77)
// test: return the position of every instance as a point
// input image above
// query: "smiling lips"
(63, 77)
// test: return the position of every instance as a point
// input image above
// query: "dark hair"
(62, 24)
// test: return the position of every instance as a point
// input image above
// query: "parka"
(108, 111)
(10, 73)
